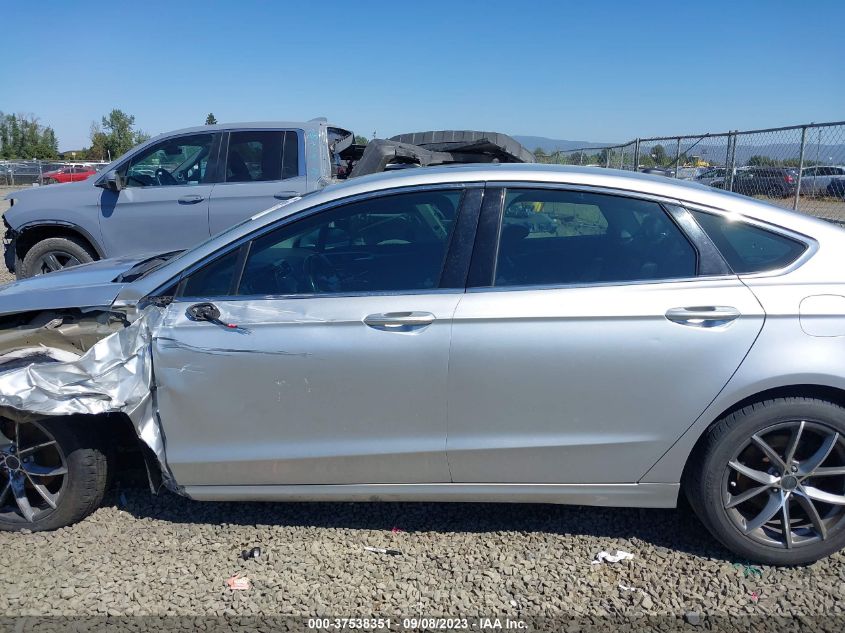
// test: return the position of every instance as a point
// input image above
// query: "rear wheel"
(769, 481)
(52, 473)
(52, 254)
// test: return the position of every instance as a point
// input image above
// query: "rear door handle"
(285, 195)
(703, 316)
(190, 199)
(399, 321)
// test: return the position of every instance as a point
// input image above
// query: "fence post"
(622, 158)
(677, 156)
(636, 154)
(729, 176)
(800, 167)
(727, 156)
(607, 158)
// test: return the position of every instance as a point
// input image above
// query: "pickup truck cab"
(180, 188)
(167, 194)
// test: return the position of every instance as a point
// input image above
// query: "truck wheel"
(52, 473)
(53, 254)
(769, 481)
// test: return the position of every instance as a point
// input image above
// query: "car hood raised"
(84, 286)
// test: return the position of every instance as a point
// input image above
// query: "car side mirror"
(112, 181)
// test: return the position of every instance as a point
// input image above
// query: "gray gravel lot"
(167, 555)
(170, 556)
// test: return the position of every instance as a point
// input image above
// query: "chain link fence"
(800, 167)
(15, 173)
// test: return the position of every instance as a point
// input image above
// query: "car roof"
(250, 125)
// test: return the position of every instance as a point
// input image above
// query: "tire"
(64, 249)
(52, 181)
(710, 482)
(79, 491)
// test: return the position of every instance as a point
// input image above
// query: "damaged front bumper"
(89, 365)
(10, 244)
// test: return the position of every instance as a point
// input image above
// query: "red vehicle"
(69, 173)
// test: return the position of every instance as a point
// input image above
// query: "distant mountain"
(550, 145)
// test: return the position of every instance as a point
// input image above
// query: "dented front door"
(317, 390)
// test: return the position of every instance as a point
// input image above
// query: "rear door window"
(551, 237)
(262, 156)
(748, 248)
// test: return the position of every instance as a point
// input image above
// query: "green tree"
(22, 136)
(761, 161)
(210, 119)
(360, 140)
(114, 136)
(658, 154)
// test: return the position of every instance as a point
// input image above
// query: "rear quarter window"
(748, 248)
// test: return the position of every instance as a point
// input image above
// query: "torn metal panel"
(115, 375)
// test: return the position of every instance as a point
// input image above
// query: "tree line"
(22, 136)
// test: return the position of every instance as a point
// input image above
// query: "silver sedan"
(514, 333)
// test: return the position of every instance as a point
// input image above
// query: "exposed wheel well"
(133, 461)
(830, 394)
(31, 236)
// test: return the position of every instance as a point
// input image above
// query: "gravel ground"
(167, 555)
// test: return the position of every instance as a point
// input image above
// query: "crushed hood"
(88, 285)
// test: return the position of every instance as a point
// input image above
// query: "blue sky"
(596, 71)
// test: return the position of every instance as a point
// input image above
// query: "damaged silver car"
(410, 336)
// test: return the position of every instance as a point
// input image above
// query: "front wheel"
(52, 473)
(52, 254)
(769, 481)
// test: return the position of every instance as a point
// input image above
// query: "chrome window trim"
(306, 213)
(812, 246)
(602, 284)
(315, 295)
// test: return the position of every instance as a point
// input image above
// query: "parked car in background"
(179, 188)
(689, 173)
(68, 173)
(20, 173)
(815, 180)
(622, 360)
(657, 171)
(836, 188)
(772, 182)
(712, 175)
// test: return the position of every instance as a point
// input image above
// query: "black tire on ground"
(87, 459)
(63, 247)
(705, 478)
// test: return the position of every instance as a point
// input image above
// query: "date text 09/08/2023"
(415, 623)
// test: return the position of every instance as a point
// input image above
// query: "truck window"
(262, 155)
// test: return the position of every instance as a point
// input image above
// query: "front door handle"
(703, 316)
(399, 321)
(285, 195)
(190, 199)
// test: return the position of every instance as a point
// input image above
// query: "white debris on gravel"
(169, 555)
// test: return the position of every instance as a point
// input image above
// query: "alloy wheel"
(52, 261)
(785, 486)
(33, 471)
